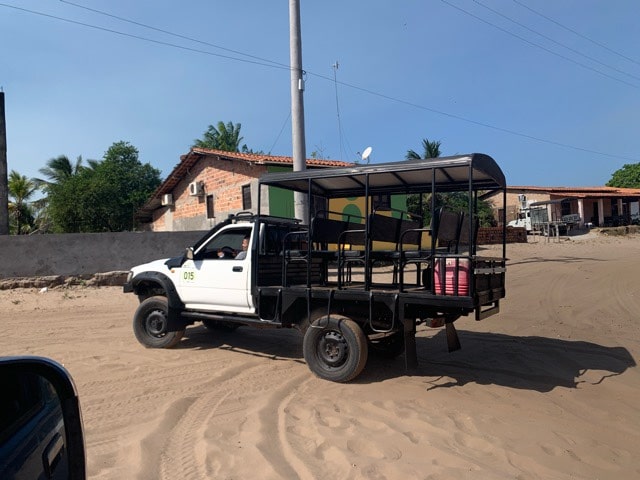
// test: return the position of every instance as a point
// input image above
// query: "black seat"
(445, 232)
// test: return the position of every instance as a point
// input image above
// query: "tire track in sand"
(177, 455)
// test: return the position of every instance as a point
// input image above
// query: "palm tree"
(58, 170)
(225, 137)
(419, 204)
(431, 150)
(21, 189)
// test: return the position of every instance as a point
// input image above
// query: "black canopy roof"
(474, 171)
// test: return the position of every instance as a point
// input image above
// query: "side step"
(249, 321)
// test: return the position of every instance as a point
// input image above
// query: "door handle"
(237, 269)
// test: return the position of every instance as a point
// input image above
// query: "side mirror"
(40, 422)
(189, 253)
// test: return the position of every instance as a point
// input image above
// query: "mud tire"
(150, 324)
(335, 348)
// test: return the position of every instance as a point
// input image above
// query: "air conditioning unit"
(167, 199)
(196, 189)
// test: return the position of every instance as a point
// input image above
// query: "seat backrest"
(463, 243)
(326, 230)
(384, 228)
(391, 227)
(447, 229)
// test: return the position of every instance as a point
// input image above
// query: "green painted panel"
(351, 212)
(280, 200)
(399, 202)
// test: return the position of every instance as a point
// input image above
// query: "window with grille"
(381, 201)
(210, 211)
(246, 197)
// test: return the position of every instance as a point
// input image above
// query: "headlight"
(129, 276)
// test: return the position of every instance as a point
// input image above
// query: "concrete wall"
(87, 253)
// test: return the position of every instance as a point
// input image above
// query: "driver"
(238, 255)
(245, 245)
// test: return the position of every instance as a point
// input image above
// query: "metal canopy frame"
(445, 174)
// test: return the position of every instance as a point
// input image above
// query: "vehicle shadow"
(276, 344)
(532, 363)
(565, 259)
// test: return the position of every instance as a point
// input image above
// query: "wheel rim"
(333, 349)
(156, 323)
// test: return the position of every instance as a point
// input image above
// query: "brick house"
(598, 206)
(208, 185)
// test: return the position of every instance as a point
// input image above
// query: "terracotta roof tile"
(578, 191)
(188, 160)
(261, 158)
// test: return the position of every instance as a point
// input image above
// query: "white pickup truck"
(350, 284)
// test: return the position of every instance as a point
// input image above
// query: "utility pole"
(4, 184)
(297, 105)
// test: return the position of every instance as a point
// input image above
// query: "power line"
(466, 12)
(475, 122)
(144, 39)
(324, 77)
(341, 134)
(577, 33)
(555, 41)
(284, 124)
(177, 35)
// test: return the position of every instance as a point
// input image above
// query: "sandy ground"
(547, 389)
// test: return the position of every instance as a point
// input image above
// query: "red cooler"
(452, 276)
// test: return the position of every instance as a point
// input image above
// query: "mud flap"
(453, 342)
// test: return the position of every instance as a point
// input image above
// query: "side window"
(381, 201)
(210, 210)
(225, 245)
(272, 244)
(275, 237)
(22, 399)
(246, 197)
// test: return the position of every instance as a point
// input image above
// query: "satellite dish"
(366, 154)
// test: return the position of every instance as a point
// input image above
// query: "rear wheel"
(335, 348)
(150, 324)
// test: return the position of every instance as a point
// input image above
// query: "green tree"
(431, 150)
(225, 137)
(106, 196)
(626, 177)
(21, 190)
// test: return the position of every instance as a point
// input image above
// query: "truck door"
(218, 277)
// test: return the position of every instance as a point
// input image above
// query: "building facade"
(595, 206)
(209, 185)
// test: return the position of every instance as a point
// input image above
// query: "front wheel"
(335, 348)
(150, 324)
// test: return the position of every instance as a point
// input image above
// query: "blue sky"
(544, 101)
